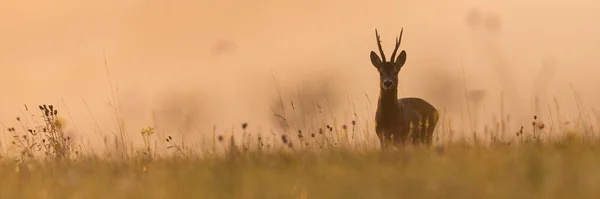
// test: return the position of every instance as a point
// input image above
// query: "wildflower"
(148, 131)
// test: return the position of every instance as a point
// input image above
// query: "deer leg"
(382, 140)
(430, 128)
(381, 135)
(424, 129)
(417, 132)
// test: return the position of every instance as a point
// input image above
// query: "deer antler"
(379, 45)
(398, 40)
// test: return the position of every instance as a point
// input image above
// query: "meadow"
(324, 162)
(196, 64)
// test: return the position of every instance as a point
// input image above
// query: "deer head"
(388, 71)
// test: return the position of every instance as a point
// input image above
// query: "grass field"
(566, 169)
(50, 165)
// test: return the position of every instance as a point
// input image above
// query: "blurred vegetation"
(322, 163)
(565, 169)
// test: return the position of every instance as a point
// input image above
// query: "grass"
(321, 161)
(564, 169)
(318, 159)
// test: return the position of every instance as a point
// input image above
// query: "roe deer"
(400, 120)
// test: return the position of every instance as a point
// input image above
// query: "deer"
(400, 121)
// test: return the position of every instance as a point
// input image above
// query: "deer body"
(393, 121)
(400, 120)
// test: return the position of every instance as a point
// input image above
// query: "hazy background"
(215, 61)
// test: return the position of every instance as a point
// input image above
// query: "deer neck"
(388, 102)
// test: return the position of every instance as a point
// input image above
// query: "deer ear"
(375, 60)
(401, 59)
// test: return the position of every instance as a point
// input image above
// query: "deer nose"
(387, 84)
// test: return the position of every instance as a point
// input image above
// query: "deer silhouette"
(399, 121)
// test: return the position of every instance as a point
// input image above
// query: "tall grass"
(313, 161)
(316, 156)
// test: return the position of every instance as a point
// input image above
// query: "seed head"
(284, 139)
